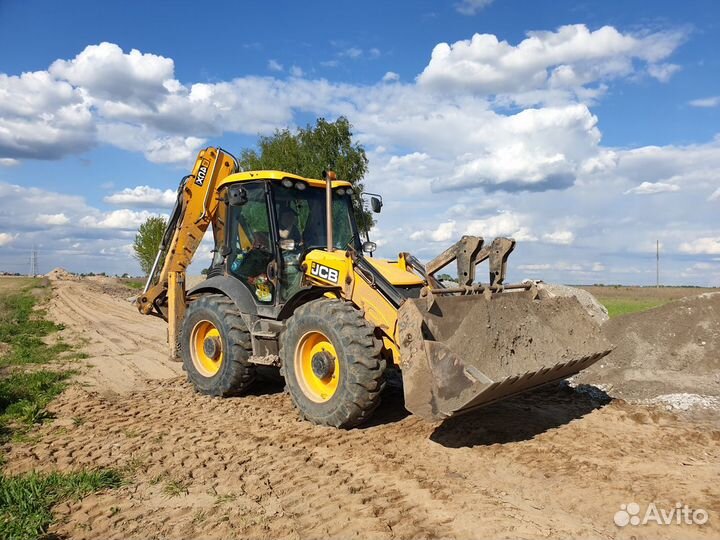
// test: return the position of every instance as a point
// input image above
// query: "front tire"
(332, 363)
(216, 346)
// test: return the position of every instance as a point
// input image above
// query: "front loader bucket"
(461, 352)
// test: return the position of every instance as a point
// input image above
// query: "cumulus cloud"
(707, 102)
(6, 238)
(106, 72)
(391, 76)
(9, 162)
(569, 58)
(663, 72)
(274, 65)
(52, 219)
(505, 224)
(66, 231)
(42, 118)
(443, 233)
(142, 196)
(702, 246)
(449, 163)
(472, 7)
(559, 237)
(649, 188)
(124, 219)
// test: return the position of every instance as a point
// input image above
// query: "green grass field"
(26, 500)
(624, 300)
(625, 306)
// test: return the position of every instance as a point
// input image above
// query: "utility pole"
(33, 263)
(657, 264)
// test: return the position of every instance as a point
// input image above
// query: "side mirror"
(376, 204)
(237, 196)
(369, 247)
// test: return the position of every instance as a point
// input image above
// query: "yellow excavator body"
(290, 287)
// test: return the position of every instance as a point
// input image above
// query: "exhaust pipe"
(329, 177)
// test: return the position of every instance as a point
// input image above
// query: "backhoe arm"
(195, 209)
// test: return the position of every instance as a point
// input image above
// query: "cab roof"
(278, 176)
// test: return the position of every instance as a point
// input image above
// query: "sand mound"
(594, 308)
(671, 349)
(60, 274)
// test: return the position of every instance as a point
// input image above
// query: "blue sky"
(587, 130)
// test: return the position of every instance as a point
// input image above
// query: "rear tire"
(216, 346)
(332, 364)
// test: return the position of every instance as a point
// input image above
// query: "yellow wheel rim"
(206, 364)
(319, 382)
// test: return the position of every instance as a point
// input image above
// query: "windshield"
(301, 219)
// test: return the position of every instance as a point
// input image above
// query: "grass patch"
(24, 395)
(26, 501)
(625, 306)
(175, 488)
(22, 329)
(134, 284)
(23, 398)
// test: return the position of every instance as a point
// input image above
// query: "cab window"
(251, 243)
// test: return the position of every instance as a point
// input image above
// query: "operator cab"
(272, 224)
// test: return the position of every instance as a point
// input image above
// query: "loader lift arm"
(195, 209)
(469, 252)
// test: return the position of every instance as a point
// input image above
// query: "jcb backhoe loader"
(290, 286)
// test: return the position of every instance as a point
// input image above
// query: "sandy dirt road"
(125, 349)
(553, 463)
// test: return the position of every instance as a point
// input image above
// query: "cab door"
(251, 249)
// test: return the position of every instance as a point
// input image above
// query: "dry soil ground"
(553, 463)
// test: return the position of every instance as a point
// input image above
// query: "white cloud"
(715, 195)
(663, 72)
(123, 219)
(505, 224)
(707, 102)
(702, 246)
(650, 188)
(9, 162)
(107, 72)
(443, 233)
(559, 237)
(274, 65)
(296, 71)
(568, 59)
(42, 118)
(52, 219)
(534, 267)
(471, 7)
(460, 160)
(143, 196)
(391, 76)
(352, 52)
(6, 239)
(156, 148)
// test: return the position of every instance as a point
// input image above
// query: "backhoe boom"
(195, 209)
